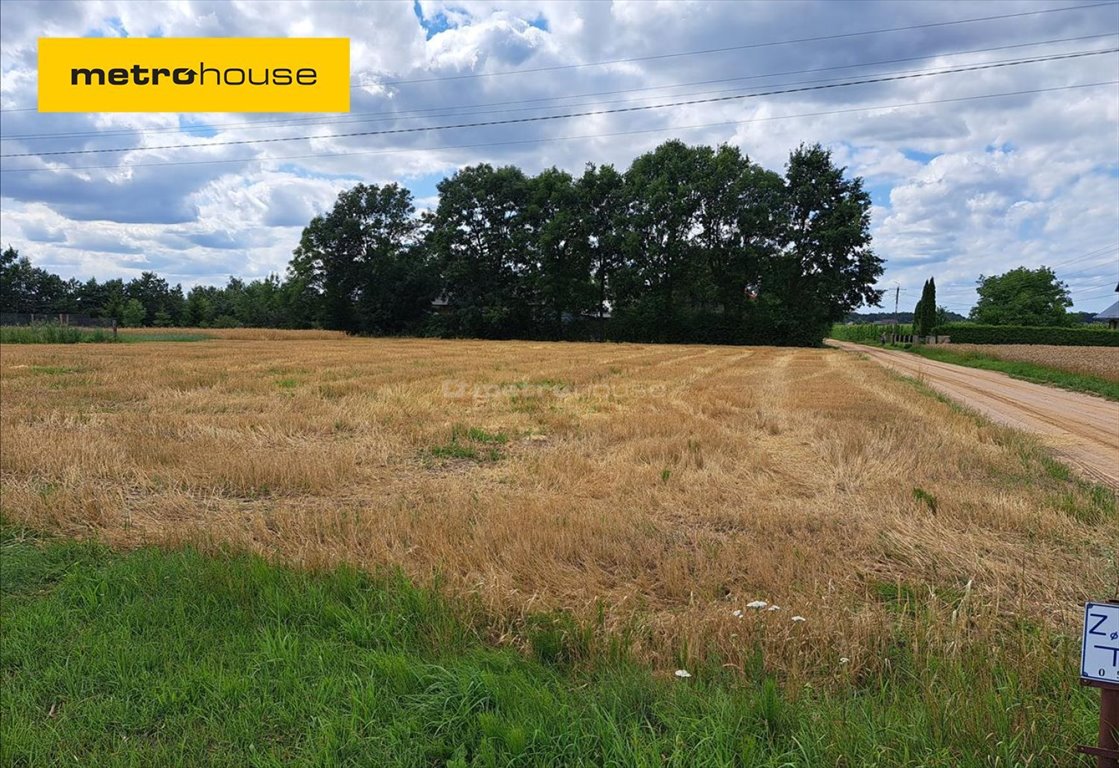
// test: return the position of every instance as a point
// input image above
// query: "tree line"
(147, 300)
(690, 244)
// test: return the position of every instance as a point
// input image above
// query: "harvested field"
(1091, 361)
(651, 491)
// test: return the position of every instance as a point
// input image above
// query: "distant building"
(441, 304)
(1111, 314)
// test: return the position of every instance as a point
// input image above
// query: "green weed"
(54, 334)
(471, 443)
(172, 657)
(928, 499)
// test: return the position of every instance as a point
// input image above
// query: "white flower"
(736, 614)
(683, 673)
(843, 659)
(773, 608)
(757, 605)
(799, 618)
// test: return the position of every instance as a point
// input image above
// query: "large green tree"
(480, 240)
(17, 282)
(601, 206)
(559, 268)
(29, 289)
(739, 222)
(1022, 297)
(158, 298)
(660, 272)
(364, 263)
(826, 267)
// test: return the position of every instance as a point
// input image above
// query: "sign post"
(1099, 668)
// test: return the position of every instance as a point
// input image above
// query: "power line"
(1093, 297)
(1095, 269)
(747, 46)
(358, 117)
(1082, 257)
(592, 113)
(667, 129)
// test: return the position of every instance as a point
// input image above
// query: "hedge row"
(867, 331)
(968, 333)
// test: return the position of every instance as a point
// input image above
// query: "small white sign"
(1099, 652)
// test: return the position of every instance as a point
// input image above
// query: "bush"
(970, 333)
(863, 332)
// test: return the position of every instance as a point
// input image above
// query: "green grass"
(54, 334)
(172, 657)
(69, 334)
(472, 443)
(1038, 374)
(487, 438)
(141, 338)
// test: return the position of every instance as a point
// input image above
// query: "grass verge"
(173, 657)
(1039, 374)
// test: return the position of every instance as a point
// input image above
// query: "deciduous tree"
(1022, 297)
(364, 262)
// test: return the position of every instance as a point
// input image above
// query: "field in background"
(1093, 370)
(986, 335)
(1090, 369)
(1101, 362)
(589, 502)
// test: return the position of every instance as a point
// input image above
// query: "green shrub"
(970, 333)
(863, 332)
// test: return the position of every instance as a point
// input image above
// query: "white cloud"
(960, 187)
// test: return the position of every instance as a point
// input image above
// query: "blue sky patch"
(298, 170)
(1031, 228)
(879, 194)
(424, 186)
(196, 127)
(433, 26)
(117, 26)
(924, 158)
(114, 24)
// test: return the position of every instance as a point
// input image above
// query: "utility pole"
(897, 295)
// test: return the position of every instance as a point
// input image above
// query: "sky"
(970, 173)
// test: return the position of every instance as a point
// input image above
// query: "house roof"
(1111, 313)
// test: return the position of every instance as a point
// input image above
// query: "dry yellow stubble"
(1092, 361)
(665, 486)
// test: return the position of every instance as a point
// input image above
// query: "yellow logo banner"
(194, 74)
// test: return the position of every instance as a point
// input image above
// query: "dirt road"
(1083, 429)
